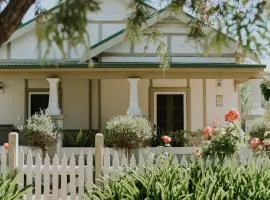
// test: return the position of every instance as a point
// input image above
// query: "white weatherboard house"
(125, 79)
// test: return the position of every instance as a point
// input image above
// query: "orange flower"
(254, 142)
(232, 115)
(6, 146)
(166, 139)
(208, 131)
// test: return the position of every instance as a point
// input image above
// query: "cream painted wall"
(139, 47)
(75, 99)
(196, 95)
(230, 99)
(110, 29)
(111, 10)
(12, 102)
(143, 92)
(95, 106)
(169, 83)
(38, 83)
(25, 47)
(3, 52)
(114, 98)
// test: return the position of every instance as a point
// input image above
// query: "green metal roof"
(123, 65)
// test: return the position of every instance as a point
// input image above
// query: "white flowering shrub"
(127, 131)
(40, 130)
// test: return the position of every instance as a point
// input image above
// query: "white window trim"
(29, 99)
(185, 105)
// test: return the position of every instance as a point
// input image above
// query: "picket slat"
(132, 162)
(64, 177)
(3, 161)
(29, 173)
(72, 185)
(107, 161)
(20, 166)
(38, 177)
(55, 178)
(89, 170)
(46, 176)
(124, 161)
(81, 174)
(116, 160)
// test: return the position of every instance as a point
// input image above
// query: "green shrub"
(127, 131)
(80, 139)
(9, 187)
(200, 180)
(40, 130)
(259, 130)
(225, 143)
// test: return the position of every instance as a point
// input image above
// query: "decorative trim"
(189, 114)
(169, 48)
(39, 49)
(9, 50)
(204, 104)
(90, 103)
(133, 54)
(99, 32)
(26, 85)
(99, 104)
(132, 48)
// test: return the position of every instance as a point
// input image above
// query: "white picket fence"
(66, 176)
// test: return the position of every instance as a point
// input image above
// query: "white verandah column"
(53, 107)
(255, 110)
(134, 108)
(55, 112)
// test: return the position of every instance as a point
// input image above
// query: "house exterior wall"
(12, 102)
(114, 100)
(230, 99)
(75, 98)
(196, 90)
(25, 47)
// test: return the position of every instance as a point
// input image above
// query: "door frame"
(154, 91)
(38, 90)
(29, 97)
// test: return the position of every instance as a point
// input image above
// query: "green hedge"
(200, 181)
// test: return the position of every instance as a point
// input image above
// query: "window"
(37, 101)
(170, 111)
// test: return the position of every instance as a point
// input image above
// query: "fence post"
(99, 144)
(13, 140)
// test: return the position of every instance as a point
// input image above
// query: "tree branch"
(11, 17)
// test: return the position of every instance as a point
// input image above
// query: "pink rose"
(6, 146)
(166, 139)
(254, 142)
(208, 131)
(232, 115)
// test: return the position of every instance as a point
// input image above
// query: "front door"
(38, 101)
(170, 111)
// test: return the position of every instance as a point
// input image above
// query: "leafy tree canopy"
(245, 21)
